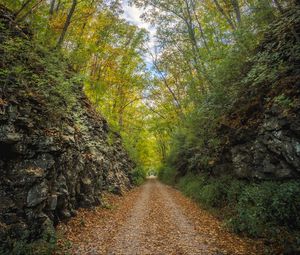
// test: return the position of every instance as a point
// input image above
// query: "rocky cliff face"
(261, 134)
(269, 151)
(51, 162)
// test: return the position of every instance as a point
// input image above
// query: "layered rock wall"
(269, 151)
(51, 162)
(260, 134)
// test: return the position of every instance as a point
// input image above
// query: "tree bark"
(66, 25)
(51, 11)
(57, 6)
(221, 10)
(29, 11)
(200, 26)
(24, 5)
(237, 11)
(195, 48)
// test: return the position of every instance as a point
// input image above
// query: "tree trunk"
(51, 11)
(237, 11)
(57, 6)
(24, 5)
(195, 48)
(29, 11)
(200, 27)
(66, 25)
(221, 10)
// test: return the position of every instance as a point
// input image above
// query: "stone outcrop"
(50, 163)
(270, 151)
(260, 135)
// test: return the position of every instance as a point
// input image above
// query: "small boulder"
(52, 202)
(37, 194)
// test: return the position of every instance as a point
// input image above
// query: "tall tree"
(236, 8)
(225, 15)
(24, 5)
(66, 24)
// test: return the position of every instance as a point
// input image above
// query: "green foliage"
(234, 189)
(167, 174)
(111, 138)
(212, 195)
(169, 115)
(101, 47)
(251, 61)
(284, 101)
(138, 176)
(209, 192)
(40, 247)
(46, 245)
(264, 206)
(39, 72)
(254, 209)
(286, 205)
(192, 185)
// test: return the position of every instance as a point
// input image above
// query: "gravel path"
(153, 219)
(157, 225)
(128, 240)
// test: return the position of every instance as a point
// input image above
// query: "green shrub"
(167, 174)
(256, 209)
(285, 205)
(261, 207)
(191, 185)
(40, 247)
(212, 195)
(38, 72)
(46, 245)
(138, 176)
(207, 191)
(284, 101)
(234, 190)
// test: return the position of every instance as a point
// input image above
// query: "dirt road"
(153, 219)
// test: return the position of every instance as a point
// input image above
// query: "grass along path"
(151, 219)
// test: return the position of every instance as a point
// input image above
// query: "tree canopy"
(202, 48)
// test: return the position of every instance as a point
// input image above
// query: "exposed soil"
(152, 219)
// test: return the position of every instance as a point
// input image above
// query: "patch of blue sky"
(133, 15)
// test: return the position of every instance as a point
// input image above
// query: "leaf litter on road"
(152, 219)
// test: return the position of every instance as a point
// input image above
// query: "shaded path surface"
(154, 219)
(157, 226)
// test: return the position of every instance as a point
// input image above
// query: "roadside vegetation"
(258, 209)
(169, 102)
